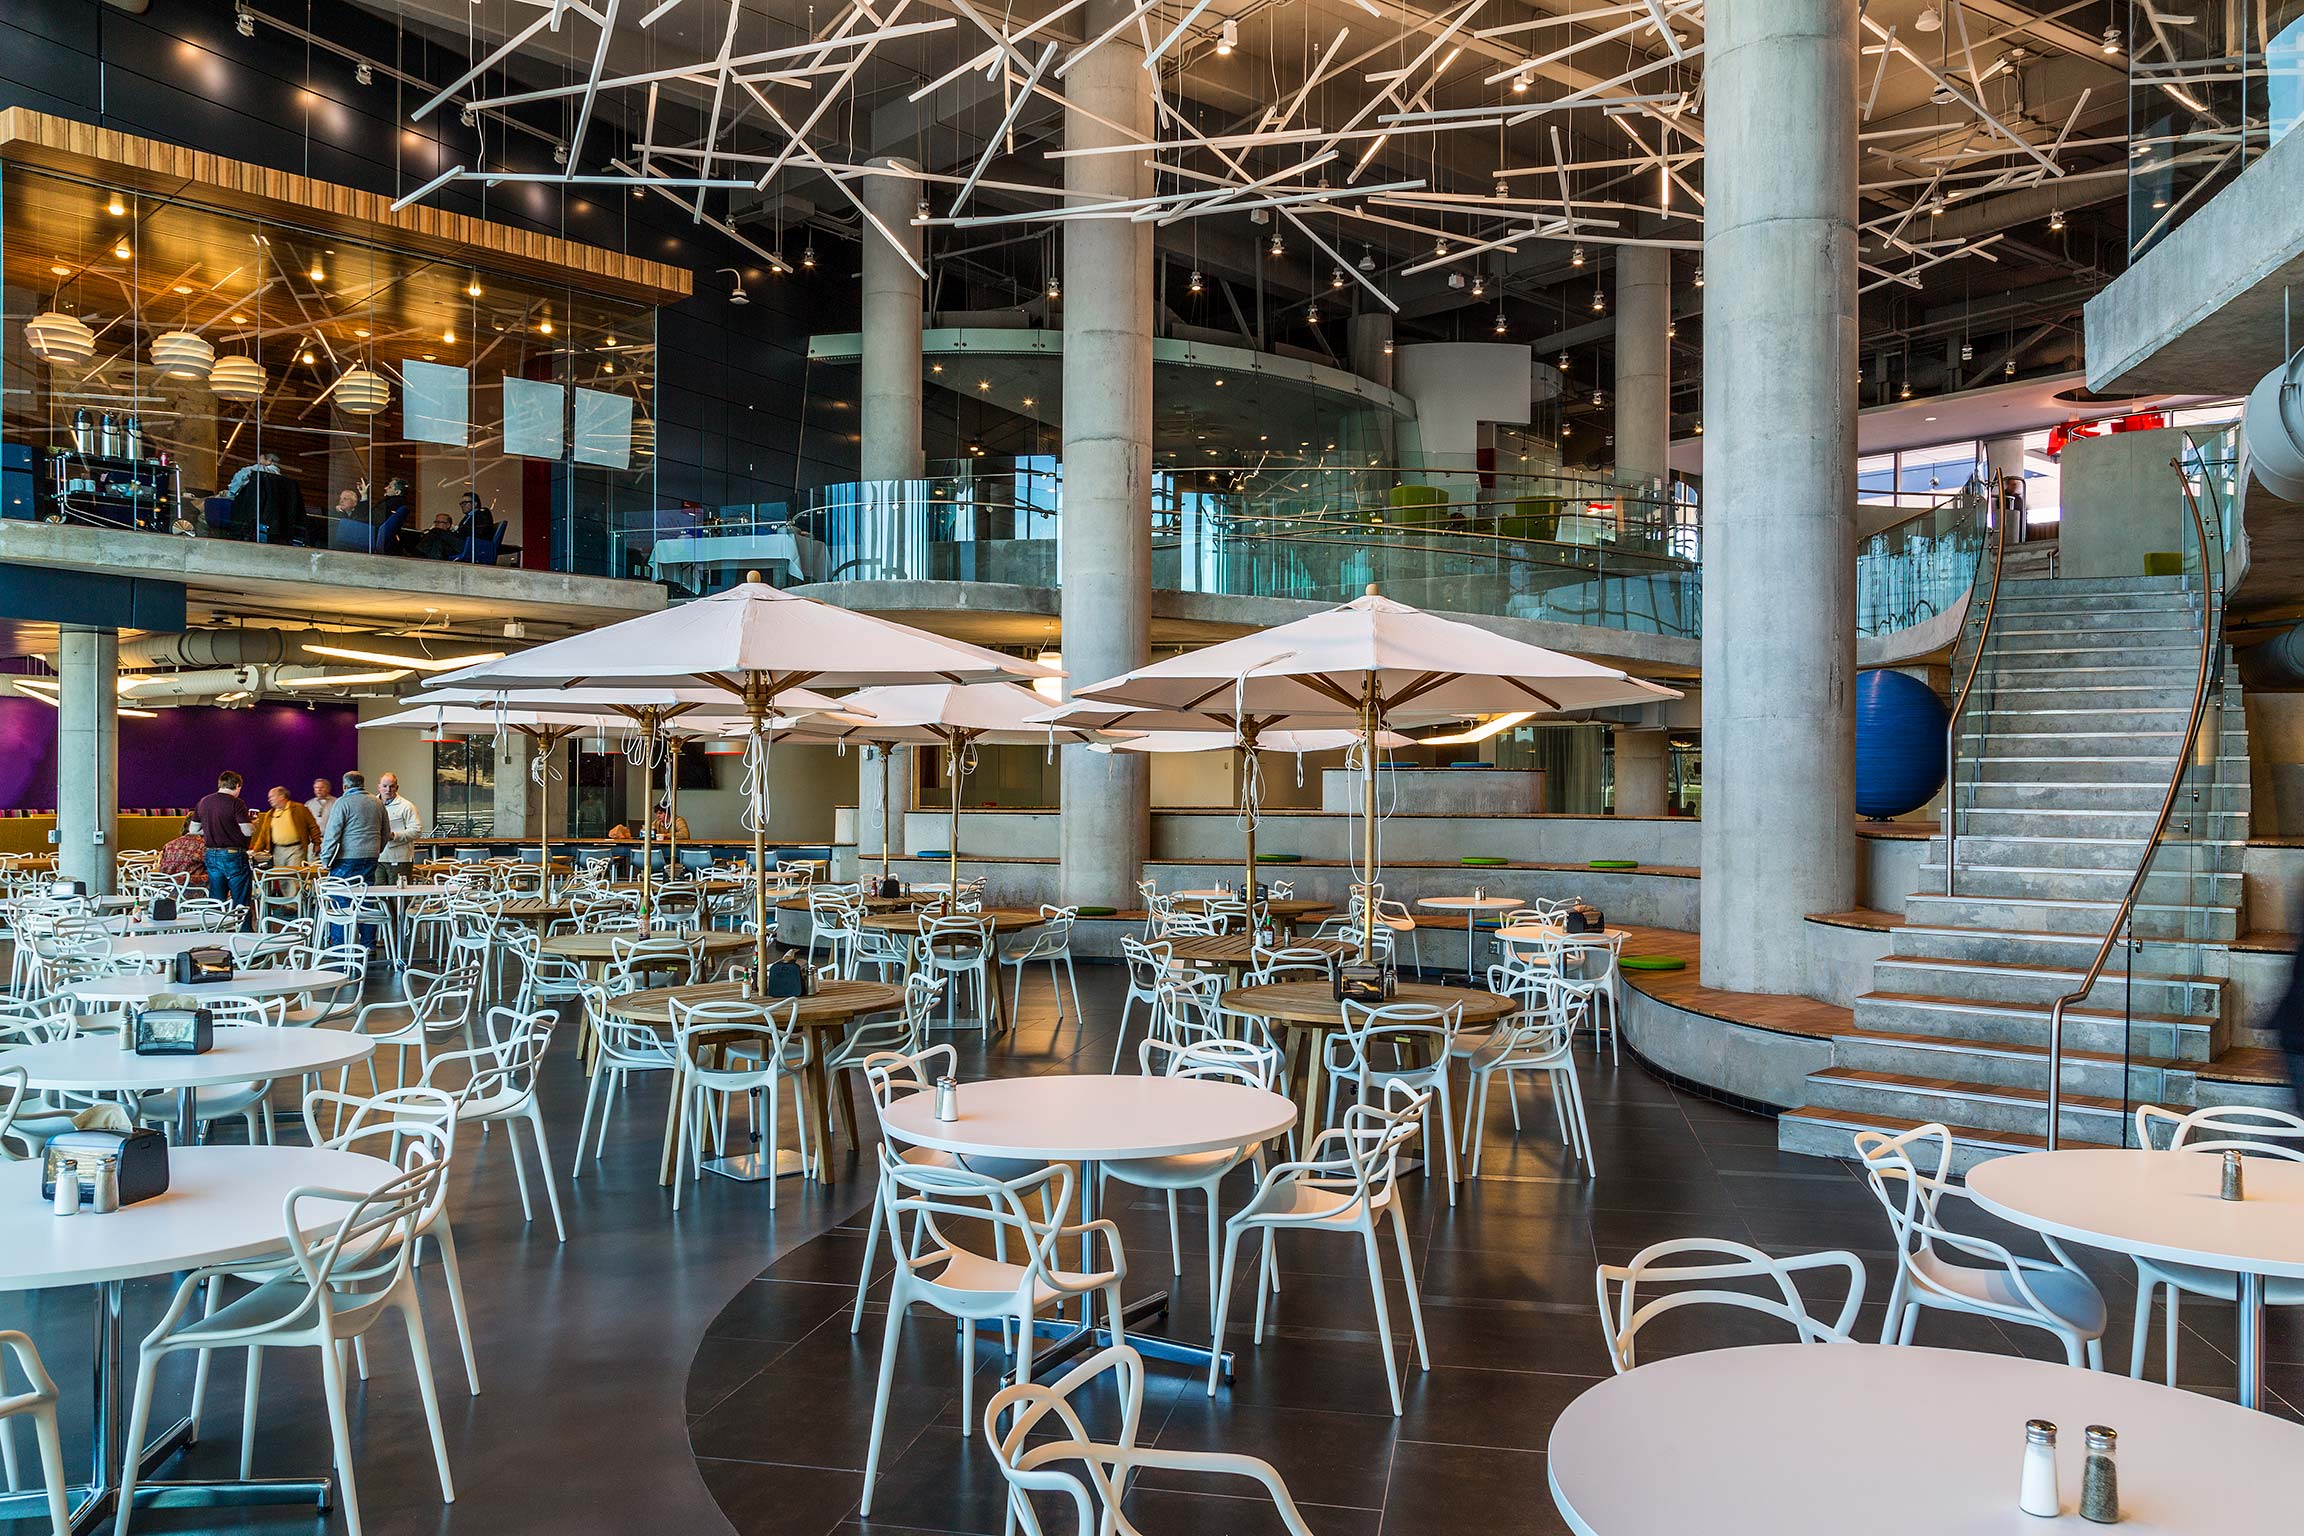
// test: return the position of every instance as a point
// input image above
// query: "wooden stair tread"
(2021, 1048)
(1817, 1114)
(2040, 1010)
(1958, 1088)
(2019, 968)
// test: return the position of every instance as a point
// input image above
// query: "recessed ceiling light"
(61, 271)
(239, 319)
(544, 326)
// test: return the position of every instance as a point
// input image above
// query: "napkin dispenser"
(208, 963)
(163, 909)
(1582, 918)
(890, 889)
(65, 890)
(139, 1160)
(1366, 984)
(786, 978)
(173, 1032)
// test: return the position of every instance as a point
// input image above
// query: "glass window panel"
(438, 406)
(532, 417)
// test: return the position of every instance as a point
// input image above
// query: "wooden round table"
(830, 1007)
(1288, 912)
(1236, 952)
(597, 949)
(1309, 1013)
(1002, 919)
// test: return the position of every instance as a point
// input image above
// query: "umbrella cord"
(756, 794)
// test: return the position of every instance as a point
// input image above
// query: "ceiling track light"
(362, 74)
(1699, 274)
(468, 116)
(1195, 285)
(1278, 247)
(1967, 351)
(2111, 39)
(1055, 288)
(243, 22)
(1599, 302)
(1367, 258)
(1500, 325)
(1336, 277)
(808, 257)
(1576, 256)
(1227, 38)
(1523, 79)
(2055, 221)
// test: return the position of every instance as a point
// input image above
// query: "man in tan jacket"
(286, 831)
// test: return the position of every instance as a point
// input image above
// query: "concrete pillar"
(518, 811)
(1106, 559)
(1642, 780)
(1779, 484)
(892, 298)
(1366, 340)
(87, 755)
(1643, 364)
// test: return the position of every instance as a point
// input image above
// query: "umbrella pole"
(1242, 762)
(952, 878)
(544, 743)
(672, 810)
(648, 824)
(887, 810)
(759, 885)
(1368, 829)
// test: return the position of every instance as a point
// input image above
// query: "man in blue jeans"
(353, 837)
(223, 822)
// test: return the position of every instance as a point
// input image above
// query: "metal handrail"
(1999, 548)
(2209, 628)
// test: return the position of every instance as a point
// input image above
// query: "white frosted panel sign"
(603, 429)
(533, 413)
(436, 403)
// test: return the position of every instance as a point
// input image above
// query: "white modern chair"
(1346, 1181)
(901, 1033)
(436, 1006)
(1146, 965)
(1986, 1278)
(322, 1296)
(1034, 1460)
(1051, 943)
(1719, 1259)
(36, 1402)
(622, 1050)
(2224, 1128)
(1410, 1044)
(500, 1087)
(762, 1052)
(957, 947)
(1538, 1038)
(889, 1076)
(1218, 1060)
(1595, 957)
(939, 1221)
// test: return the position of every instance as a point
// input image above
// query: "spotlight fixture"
(1194, 285)
(1500, 326)
(122, 252)
(1525, 78)
(983, 386)
(1367, 258)
(1599, 302)
(1562, 363)
(448, 337)
(305, 357)
(244, 24)
(1228, 38)
(1699, 274)
(116, 208)
(920, 210)
(362, 74)
(468, 116)
(472, 288)
(1439, 247)
(1336, 277)
(1699, 427)
(1930, 20)
(2008, 369)
(1599, 395)
(1576, 256)
(1387, 346)
(1312, 313)
(1479, 285)
(935, 367)
(318, 274)
(1905, 393)
(2111, 39)
(808, 257)
(544, 327)
(1502, 191)
(559, 154)
(2055, 221)
(1055, 288)
(1671, 329)
(1278, 247)
(1967, 351)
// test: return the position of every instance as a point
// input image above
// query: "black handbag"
(891, 888)
(1582, 918)
(163, 909)
(786, 978)
(1369, 984)
(141, 1159)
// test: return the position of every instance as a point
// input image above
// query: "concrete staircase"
(2066, 748)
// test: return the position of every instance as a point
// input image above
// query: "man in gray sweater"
(354, 835)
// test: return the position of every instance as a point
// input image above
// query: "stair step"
(2017, 1064)
(2053, 915)
(2215, 887)
(2186, 823)
(2007, 981)
(2105, 768)
(2086, 796)
(1818, 1131)
(2043, 947)
(2087, 1026)
(2097, 1118)
(2122, 854)
(2155, 642)
(2092, 586)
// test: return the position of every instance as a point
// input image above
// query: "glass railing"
(1539, 547)
(1914, 570)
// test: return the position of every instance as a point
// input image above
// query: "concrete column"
(1643, 363)
(1642, 781)
(890, 414)
(1106, 560)
(1779, 484)
(1366, 338)
(518, 809)
(87, 756)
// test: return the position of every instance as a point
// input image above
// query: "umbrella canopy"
(751, 641)
(1222, 738)
(471, 720)
(1411, 665)
(597, 704)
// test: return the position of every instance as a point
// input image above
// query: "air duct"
(203, 685)
(219, 648)
(2274, 427)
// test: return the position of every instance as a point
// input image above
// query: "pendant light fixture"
(237, 378)
(183, 355)
(362, 392)
(59, 339)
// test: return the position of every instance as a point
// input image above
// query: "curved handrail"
(1998, 545)
(2210, 609)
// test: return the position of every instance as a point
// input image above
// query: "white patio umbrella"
(658, 716)
(1373, 661)
(757, 645)
(957, 718)
(547, 731)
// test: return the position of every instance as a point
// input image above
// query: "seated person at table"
(267, 503)
(184, 854)
(439, 541)
(667, 824)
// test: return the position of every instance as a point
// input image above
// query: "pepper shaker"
(2100, 1477)
(2233, 1183)
(2038, 1494)
(947, 1099)
(107, 1187)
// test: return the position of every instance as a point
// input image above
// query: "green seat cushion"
(1482, 861)
(1652, 963)
(1613, 864)
(1279, 858)
(1099, 911)
(2163, 563)
(933, 853)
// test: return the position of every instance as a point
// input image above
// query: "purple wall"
(173, 758)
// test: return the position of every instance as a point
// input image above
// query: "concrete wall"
(2275, 763)
(1438, 791)
(1888, 870)
(1457, 385)
(2120, 503)
(1755, 1064)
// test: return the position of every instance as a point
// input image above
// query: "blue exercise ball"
(1899, 743)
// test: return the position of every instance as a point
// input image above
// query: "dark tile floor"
(688, 1373)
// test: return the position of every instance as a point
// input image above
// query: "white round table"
(135, 924)
(170, 941)
(1471, 907)
(1889, 1440)
(258, 983)
(1091, 1119)
(223, 1205)
(2163, 1205)
(242, 1054)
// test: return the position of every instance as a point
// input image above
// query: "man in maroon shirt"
(223, 822)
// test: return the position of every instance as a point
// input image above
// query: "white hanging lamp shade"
(363, 392)
(237, 378)
(56, 337)
(183, 355)
(643, 437)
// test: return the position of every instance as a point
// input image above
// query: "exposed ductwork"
(218, 648)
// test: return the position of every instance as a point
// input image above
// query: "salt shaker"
(2100, 1477)
(947, 1099)
(2232, 1180)
(2037, 1494)
(107, 1187)
(67, 1200)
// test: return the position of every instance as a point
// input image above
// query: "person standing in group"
(322, 802)
(354, 835)
(286, 830)
(402, 826)
(225, 826)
